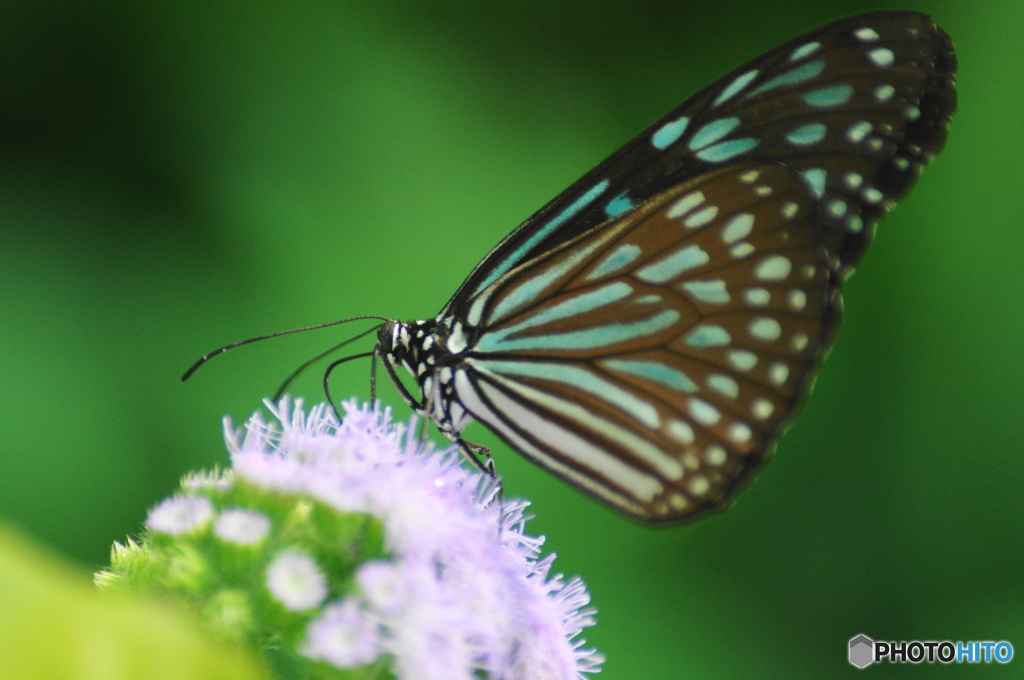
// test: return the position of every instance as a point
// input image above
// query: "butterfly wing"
(856, 107)
(653, 360)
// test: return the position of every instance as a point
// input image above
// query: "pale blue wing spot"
(742, 360)
(828, 97)
(727, 150)
(866, 34)
(527, 291)
(811, 69)
(765, 328)
(674, 265)
(735, 86)
(708, 335)
(713, 292)
(724, 385)
(571, 210)
(574, 306)
(585, 339)
(654, 371)
(701, 217)
(618, 205)
(884, 93)
(806, 135)
(805, 50)
(816, 180)
(476, 311)
(773, 268)
(620, 258)
(757, 297)
(712, 132)
(873, 195)
(648, 299)
(738, 227)
(858, 131)
(582, 378)
(668, 133)
(703, 412)
(882, 57)
(685, 204)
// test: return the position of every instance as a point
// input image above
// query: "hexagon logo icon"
(862, 651)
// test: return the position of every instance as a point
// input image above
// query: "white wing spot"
(673, 265)
(757, 297)
(853, 180)
(837, 207)
(858, 131)
(884, 93)
(685, 204)
(797, 299)
(708, 335)
(805, 50)
(711, 292)
(778, 373)
(816, 178)
(764, 328)
(698, 485)
(741, 250)
(789, 210)
(680, 431)
(735, 86)
(866, 34)
(882, 57)
(715, 455)
(739, 432)
(750, 176)
(703, 412)
(724, 385)
(762, 409)
(702, 217)
(799, 342)
(737, 227)
(873, 195)
(742, 360)
(773, 268)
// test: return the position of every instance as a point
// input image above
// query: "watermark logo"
(864, 651)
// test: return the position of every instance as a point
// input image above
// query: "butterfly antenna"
(327, 377)
(206, 357)
(306, 364)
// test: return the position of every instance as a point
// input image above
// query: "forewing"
(855, 107)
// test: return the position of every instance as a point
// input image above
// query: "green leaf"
(53, 624)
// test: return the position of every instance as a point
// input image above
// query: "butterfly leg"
(481, 458)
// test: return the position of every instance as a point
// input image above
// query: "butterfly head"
(426, 349)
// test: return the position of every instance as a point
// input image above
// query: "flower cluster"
(356, 545)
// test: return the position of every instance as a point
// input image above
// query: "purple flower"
(461, 590)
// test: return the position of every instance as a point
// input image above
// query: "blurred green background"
(177, 176)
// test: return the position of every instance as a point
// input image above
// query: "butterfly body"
(649, 333)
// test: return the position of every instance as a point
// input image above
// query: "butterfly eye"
(648, 333)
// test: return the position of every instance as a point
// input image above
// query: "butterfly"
(647, 335)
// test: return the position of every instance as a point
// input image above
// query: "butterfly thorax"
(428, 350)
